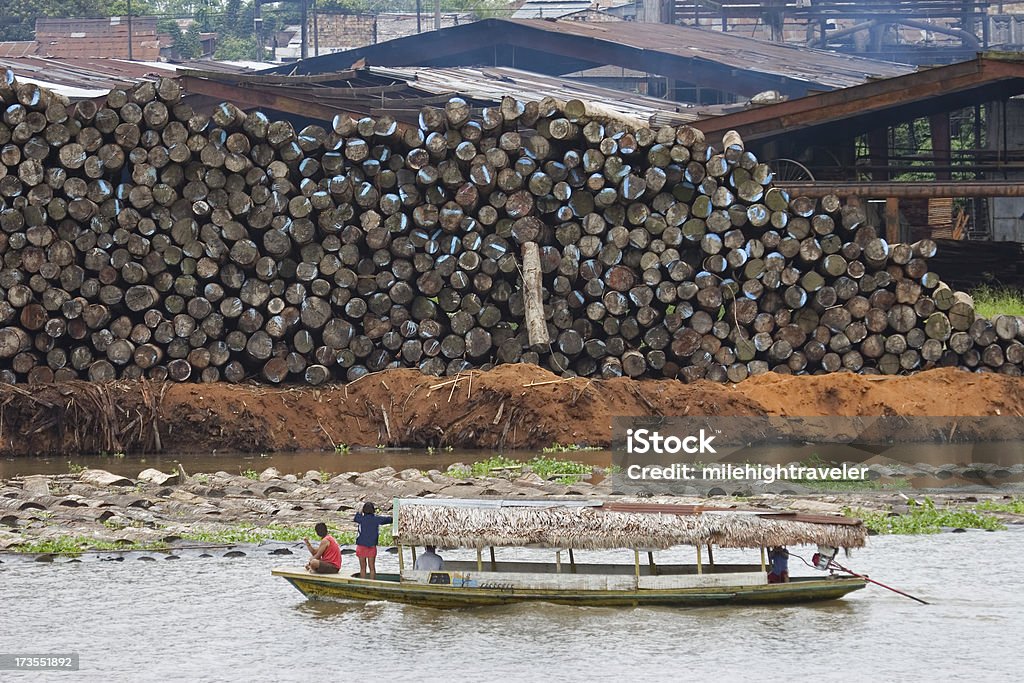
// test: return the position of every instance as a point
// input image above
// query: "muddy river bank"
(510, 407)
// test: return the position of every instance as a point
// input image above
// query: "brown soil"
(512, 406)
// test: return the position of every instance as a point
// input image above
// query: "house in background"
(99, 38)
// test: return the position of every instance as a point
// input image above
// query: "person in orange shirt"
(327, 556)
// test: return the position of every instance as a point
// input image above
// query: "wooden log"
(532, 297)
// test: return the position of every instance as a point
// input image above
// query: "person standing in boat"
(327, 556)
(366, 542)
(778, 569)
(429, 561)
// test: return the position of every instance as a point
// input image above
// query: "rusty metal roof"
(18, 48)
(815, 67)
(725, 61)
(402, 92)
(493, 83)
(88, 77)
(841, 114)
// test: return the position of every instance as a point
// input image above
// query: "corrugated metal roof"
(493, 83)
(401, 92)
(726, 61)
(822, 67)
(88, 77)
(548, 9)
(18, 48)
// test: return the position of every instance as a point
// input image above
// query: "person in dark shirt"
(366, 542)
(778, 570)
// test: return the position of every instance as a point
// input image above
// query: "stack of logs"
(141, 238)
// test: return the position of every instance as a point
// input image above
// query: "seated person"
(778, 570)
(327, 556)
(429, 561)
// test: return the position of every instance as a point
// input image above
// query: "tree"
(190, 47)
(232, 48)
(18, 17)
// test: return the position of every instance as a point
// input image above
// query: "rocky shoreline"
(47, 515)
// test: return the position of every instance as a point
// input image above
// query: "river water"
(216, 619)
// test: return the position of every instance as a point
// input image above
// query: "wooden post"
(558, 561)
(494, 566)
(533, 299)
(413, 549)
(316, 32)
(700, 568)
(650, 561)
(636, 562)
(941, 146)
(763, 566)
(892, 220)
(401, 561)
(572, 562)
(479, 560)
(711, 556)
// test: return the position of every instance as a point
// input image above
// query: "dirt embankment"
(512, 406)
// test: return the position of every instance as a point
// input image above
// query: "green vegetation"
(484, 468)
(925, 518)
(816, 461)
(232, 48)
(569, 448)
(990, 301)
(1013, 506)
(342, 448)
(75, 469)
(850, 485)
(567, 469)
(274, 532)
(250, 474)
(910, 147)
(563, 471)
(76, 545)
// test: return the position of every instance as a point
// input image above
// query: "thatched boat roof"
(591, 526)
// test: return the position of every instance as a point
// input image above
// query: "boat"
(565, 528)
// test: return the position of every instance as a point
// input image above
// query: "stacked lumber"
(143, 239)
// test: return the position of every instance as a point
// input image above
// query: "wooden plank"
(892, 220)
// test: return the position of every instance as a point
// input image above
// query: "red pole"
(878, 583)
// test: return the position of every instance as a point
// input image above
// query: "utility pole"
(257, 21)
(437, 15)
(304, 35)
(419, 11)
(130, 57)
(316, 31)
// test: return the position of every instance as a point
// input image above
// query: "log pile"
(142, 239)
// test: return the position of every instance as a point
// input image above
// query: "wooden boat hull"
(319, 587)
